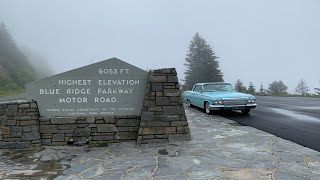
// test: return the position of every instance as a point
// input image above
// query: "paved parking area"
(219, 149)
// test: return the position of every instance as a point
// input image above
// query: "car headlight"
(218, 101)
(252, 100)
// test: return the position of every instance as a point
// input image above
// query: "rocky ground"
(219, 149)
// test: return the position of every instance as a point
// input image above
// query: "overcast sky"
(259, 41)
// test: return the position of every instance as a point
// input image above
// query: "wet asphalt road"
(293, 118)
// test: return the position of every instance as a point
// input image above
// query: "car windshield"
(218, 87)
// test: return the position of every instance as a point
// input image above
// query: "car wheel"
(207, 108)
(189, 103)
(245, 111)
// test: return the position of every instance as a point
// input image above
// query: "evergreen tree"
(317, 90)
(302, 88)
(277, 88)
(15, 71)
(238, 86)
(201, 63)
(261, 90)
(251, 88)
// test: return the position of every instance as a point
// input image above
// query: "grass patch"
(11, 92)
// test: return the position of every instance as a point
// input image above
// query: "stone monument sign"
(106, 88)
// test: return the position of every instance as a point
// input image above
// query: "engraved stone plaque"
(110, 87)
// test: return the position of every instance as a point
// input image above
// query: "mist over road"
(293, 118)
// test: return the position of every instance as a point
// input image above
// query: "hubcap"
(207, 108)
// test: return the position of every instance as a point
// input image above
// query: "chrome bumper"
(213, 107)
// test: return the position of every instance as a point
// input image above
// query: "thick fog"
(258, 41)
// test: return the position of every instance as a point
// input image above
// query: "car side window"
(198, 89)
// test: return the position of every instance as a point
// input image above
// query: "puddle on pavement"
(294, 115)
(33, 167)
(163, 152)
(313, 108)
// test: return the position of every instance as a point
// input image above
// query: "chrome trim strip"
(231, 106)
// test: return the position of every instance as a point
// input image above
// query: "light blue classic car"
(218, 96)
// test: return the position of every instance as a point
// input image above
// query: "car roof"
(211, 83)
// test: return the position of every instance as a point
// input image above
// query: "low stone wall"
(81, 130)
(162, 119)
(21, 128)
(19, 125)
(163, 116)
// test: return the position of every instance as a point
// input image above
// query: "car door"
(198, 97)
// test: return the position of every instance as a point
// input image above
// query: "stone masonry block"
(173, 79)
(30, 128)
(58, 137)
(30, 136)
(24, 106)
(16, 131)
(159, 93)
(63, 120)
(131, 129)
(126, 135)
(157, 123)
(2, 112)
(5, 130)
(48, 129)
(83, 132)
(162, 101)
(180, 130)
(173, 71)
(173, 110)
(103, 138)
(149, 103)
(157, 130)
(172, 92)
(91, 120)
(155, 109)
(68, 126)
(186, 130)
(179, 123)
(143, 124)
(122, 129)
(29, 122)
(183, 118)
(163, 136)
(12, 110)
(157, 87)
(107, 128)
(167, 117)
(22, 118)
(157, 78)
(46, 142)
(11, 122)
(166, 70)
(127, 122)
(147, 116)
(46, 136)
(44, 119)
(33, 105)
(3, 120)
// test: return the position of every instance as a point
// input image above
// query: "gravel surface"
(13, 98)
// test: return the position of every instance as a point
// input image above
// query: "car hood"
(226, 94)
